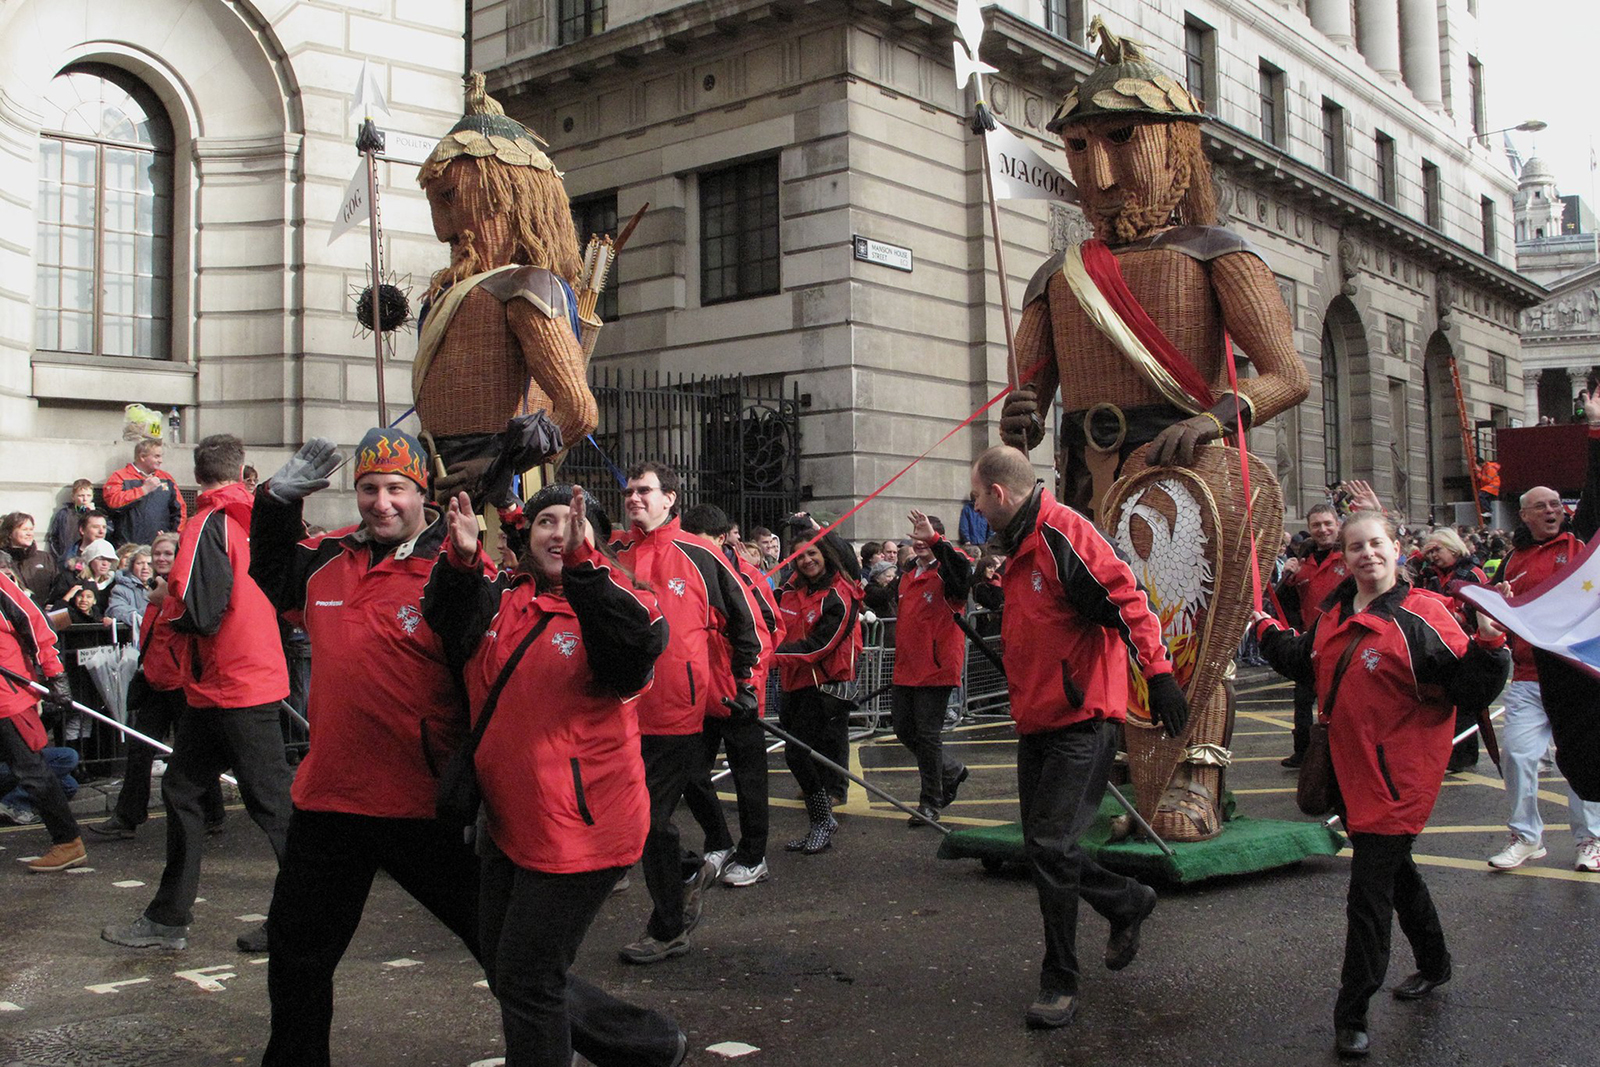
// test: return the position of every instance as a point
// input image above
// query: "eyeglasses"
(1548, 505)
(640, 491)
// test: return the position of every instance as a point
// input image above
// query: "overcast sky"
(1542, 61)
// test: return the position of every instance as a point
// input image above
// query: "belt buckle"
(1122, 427)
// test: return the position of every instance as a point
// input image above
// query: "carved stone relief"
(1397, 335)
(1068, 226)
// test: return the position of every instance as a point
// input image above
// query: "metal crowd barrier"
(982, 693)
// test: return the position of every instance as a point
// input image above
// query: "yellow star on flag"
(1587, 586)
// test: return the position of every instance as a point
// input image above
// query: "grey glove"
(307, 471)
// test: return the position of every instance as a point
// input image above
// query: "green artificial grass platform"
(1245, 846)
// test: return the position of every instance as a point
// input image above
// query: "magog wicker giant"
(1134, 328)
(500, 333)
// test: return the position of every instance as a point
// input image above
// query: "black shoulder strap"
(493, 698)
(1338, 674)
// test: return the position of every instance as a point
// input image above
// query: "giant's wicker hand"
(1020, 424)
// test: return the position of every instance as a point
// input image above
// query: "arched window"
(103, 244)
(1331, 427)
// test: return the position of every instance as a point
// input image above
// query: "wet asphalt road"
(873, 953)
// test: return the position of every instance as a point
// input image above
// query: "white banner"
(1020, 173)
(356, 207)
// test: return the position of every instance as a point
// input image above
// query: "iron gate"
(734, 440)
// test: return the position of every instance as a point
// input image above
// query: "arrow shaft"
(377, 282)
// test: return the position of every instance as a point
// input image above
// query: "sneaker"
(17, 815)
(622, 883)
(253, 940)
(1051, 1011)
(142, 933)
(215, 826)
(1123, 944)
(953, 786)
(737, 874)
(60, 857)
(113, 829)
(925, 814)
(1516, 853)
(648, 950)
(718, 861)
(1588, 855)
(1292, 761)
(694, 897)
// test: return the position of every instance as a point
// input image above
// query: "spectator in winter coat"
(16, 805)
(974, 527)
(570, 644)
(64, 524)
(36, 568)
(143, 498)
(1390, 721)
(1447, 567)
(98, 562)
(130, 590)
(238, 678)
(93, 525)
(881, 594)
(1307, 581)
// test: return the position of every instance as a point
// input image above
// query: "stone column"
(1530, 396)
(1332, 17)
(1380, 36)
(1419, 45)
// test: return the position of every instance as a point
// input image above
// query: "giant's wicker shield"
(1183, 530)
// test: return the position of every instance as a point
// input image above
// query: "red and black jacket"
(237, 658)
(697, 592)
(1528, 567)
(28, 648)
(1304, 592)
(383, 696)
(822, 632)
(1074, 616)
(769, 629)
(165, 656)
(930, 648)
(142, 513)
(563, 781)
(1393, 716)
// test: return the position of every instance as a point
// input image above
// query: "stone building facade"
(767, 136)
(169, 174)
(1561, 335)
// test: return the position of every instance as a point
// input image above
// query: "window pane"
(119, 253)
(77, 333)
(117, 295)
(46, 330)
(121, 168)
(150, 338)
(118, 206)
(77, 289)
(77, 247)
(116, 335)
(78, 163)
(50, 160)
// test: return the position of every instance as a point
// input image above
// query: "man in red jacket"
(238, 676)
(1540, 547)
(1074, 616)
(144, 498)
(930, 650)
(698, 593)
(1305, 584)
(28, 648)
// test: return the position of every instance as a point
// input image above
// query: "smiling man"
(1306, 583)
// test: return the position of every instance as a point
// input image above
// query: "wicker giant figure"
(500, 333)
(1133, 328)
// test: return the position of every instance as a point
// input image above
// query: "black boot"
(819, 807)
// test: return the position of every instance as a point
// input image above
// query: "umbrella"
(112, 667)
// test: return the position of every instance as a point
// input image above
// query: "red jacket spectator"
(387, 699)
(166, 656)
(142, 512)
(559, 764)
(930, 649)
(1320, 572)
(238, 660)
(1079, 612)
(28, 648)
(697, 592)
(1393, 715)
(822, 633)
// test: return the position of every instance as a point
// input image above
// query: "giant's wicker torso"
(477, 378)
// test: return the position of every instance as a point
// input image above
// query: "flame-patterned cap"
(384, 451)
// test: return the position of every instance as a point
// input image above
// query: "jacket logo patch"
(678, 586)
(927, 596)
(329, 604)
(811, 616)
(1338, 569)
(1561, 558)
(566, 642)
(1370, 658)
(409, 618)
(1038, 582)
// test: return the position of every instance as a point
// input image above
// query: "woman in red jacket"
(1388, 664)
(559, 764)
(821, 610)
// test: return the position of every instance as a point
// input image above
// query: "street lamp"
(1529, 126)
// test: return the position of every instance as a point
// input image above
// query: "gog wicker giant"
(1132, 327)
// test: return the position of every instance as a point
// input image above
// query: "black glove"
(1167, 704)
(60, 692)
(742, 708)
(1020, 424)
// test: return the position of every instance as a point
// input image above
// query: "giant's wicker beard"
(1130, 217)
(465, 261)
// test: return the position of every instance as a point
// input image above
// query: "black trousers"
(532, 924)
(917, 712)
(670, 761)
(159, 711)
(747, 759)
(823, 722)
(40, 783)
(1305, 707)
(1061, 776)
(209, 741)
(1384, 882)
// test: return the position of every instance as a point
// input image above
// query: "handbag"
(459, 796)
(1317, 791)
